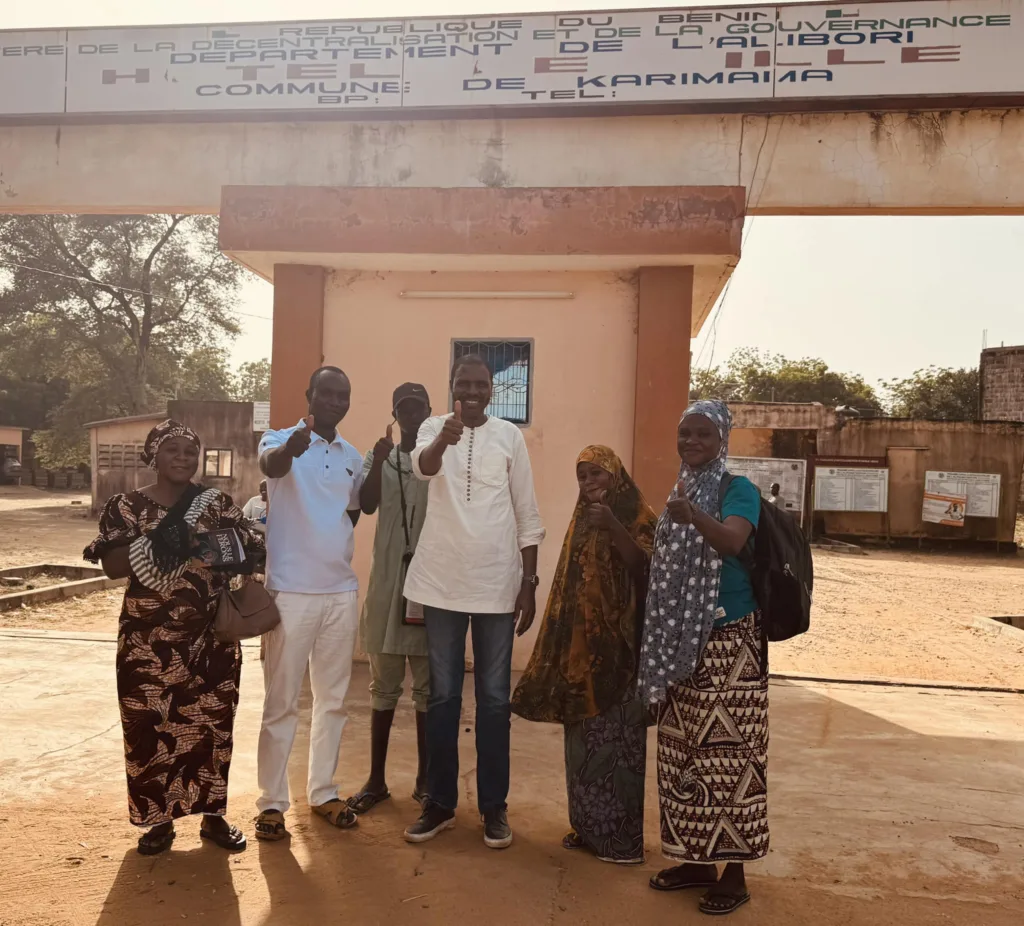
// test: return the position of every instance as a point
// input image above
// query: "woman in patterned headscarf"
(701, 664)
(583, 670)
(176, 684)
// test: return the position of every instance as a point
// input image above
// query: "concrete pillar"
(662, 376)
(297, 341)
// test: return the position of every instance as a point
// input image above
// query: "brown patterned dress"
(176, 684)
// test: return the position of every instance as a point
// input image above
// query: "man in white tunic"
(476, 562)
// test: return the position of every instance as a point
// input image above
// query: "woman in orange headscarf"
(583, 670)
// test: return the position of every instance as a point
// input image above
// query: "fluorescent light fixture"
(486, 294)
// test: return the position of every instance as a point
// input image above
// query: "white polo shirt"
(309, 532)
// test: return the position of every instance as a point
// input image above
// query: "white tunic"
(481, 511)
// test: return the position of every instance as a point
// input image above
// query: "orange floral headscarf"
(584, 661)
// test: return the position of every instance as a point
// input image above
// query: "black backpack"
(778, 558)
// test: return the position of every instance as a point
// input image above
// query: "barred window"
(512, 367)
(217, 463)
(119, 456)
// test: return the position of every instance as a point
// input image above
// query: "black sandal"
(662, 882)
(230, 837)
(150, 844)
(722, 904)
(365, 801)
(573, 840)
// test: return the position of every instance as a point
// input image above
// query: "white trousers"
(318, 631)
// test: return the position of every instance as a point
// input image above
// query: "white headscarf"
(682, 597)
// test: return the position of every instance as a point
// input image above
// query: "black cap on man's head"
(409, 391)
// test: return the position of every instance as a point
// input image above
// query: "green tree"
(252, 381)
(752, 376)
(937, 392)
(124, 311)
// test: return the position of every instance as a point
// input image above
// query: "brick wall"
(1002, 384)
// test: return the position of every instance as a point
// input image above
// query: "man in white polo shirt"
(313, 480)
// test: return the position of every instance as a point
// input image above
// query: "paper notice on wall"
(791, 475)
(981, 489)
(944, 509)
(261, 416)
(839, 488)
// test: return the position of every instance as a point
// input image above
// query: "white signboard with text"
(947, 510)
(980, 489)
(261, 416)
(840, 488)
(704, 54)
(791, 475)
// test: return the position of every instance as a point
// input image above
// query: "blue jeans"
(492, 675)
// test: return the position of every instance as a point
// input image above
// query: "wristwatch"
(531, 580)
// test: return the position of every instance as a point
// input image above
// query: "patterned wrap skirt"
(713, 752)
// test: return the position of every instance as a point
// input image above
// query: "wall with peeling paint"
(822, 163)
(584, 370)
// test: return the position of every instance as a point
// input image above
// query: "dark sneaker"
(497, 832)
(433, 821)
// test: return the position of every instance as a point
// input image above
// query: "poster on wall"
(981, 490)
(261, 416)
(944, 509)
(849, 488)
(791, 475)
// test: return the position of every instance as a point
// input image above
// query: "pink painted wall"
(584, 365)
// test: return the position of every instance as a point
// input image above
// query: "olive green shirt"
(381, 621)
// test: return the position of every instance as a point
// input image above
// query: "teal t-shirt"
(735, 593)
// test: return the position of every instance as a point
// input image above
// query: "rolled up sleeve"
(529, 528)
(428, 431)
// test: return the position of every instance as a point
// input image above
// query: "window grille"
(511, 363)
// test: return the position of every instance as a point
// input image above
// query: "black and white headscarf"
(682, 598)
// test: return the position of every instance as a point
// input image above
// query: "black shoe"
(497, 832)
(432, 821)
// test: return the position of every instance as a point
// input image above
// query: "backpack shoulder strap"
(723, 487)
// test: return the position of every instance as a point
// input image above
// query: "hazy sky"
(877, 296)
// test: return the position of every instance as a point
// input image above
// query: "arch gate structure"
(573, 183)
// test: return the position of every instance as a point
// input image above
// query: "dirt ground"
(889, 615)
(889, 805)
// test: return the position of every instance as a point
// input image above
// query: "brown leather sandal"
(337, 813)
(270, 826)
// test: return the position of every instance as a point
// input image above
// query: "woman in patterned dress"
(583, 670)
(702, 664)
(177, 686)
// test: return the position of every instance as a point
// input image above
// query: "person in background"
(775, 496)
(392, 633)
(702, 664)
(256, 509)
(177, 685)
(476, 561)
(313, 477)
(584, 666)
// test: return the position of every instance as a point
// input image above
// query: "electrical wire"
(102, 285)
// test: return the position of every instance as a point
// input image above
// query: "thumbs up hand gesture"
(680, 510)
(598, 511)
(298, 442)
(385, 445)
(451, 431)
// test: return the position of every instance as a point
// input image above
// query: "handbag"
(245, 612)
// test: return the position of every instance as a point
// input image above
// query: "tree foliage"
(752, 376)
(252, 382)
(124, 311)
(937, 392)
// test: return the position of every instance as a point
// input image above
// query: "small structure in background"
(11, 454)
(228, 459)
(887, 476)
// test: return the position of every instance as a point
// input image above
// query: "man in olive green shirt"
(392, 629)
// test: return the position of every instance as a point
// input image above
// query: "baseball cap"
(409, 391)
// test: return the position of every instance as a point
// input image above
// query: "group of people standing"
(650, 620)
